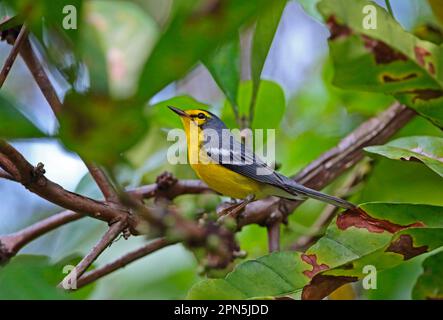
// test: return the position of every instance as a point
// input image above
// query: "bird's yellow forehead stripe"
(195, 112)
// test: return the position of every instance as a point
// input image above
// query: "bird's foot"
(234, 210)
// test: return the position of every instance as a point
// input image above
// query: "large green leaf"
(428, 150)
(269, 107)
(113, 22)
(272, 275)
(385, 59)
(378, 234)
(13, 124)
(99, 128)
(265, 30)
(35, 277)
(196, 30)
(224, 66)
(48, 13)
(430, 284)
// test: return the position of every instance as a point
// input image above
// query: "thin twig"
(96, 274)
(48, 90)
(40, 76)
(22, 36)
(388, 5)
(96, 251)
(14, 242)
(103, 183)
(274, 237)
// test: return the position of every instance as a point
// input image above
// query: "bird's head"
(202, 118)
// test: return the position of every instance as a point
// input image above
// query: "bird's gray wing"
(226, 150)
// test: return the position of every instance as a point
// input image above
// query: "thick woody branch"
(179, 187)
(122, 262)
(13, 243)
(5, 175)
(97, 250)
(34, 180)
(334, 162)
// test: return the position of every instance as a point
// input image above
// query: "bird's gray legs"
(235, 209)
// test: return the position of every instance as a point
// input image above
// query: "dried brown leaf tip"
(422, 55)
(337, 30)
(424, 94)
(383, 53)
(323, 285)
(360, 219)
(316, 268)
(404, 245)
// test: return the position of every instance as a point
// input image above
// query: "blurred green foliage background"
(125, 94)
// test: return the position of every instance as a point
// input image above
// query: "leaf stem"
(389, 7)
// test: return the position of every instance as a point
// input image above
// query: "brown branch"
(34, 180)
(180, 187)
(96, 274)
(274, 237)
(5, 175)
(40, 76)
(12, 243)
(319, 173)
(107, 239)
(48, 90)
(103, 183)
(22, 36)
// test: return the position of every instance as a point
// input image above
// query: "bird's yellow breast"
(217, 177)
(227, 182)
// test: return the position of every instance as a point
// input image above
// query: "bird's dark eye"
(201, 116)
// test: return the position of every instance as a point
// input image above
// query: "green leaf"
(100, 129)
(35, 277)
(428, 150)
(276, 274)
(430, 284)
(40, 14)
(386, 59)
(379, 234)
(224, 66)
(196, 29)
(265, 30)
(113, 22)
(13, 124)
(437, 9)
(269, 107)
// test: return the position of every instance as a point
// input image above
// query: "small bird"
(232, 169)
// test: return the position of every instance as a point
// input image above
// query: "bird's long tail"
(298, 189)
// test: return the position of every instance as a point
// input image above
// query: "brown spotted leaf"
(379, 234)
(425, 149)
(375, 54)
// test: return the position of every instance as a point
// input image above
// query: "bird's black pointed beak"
(181, 113)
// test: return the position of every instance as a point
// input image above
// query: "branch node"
(165, 181)
(37, 173)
